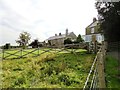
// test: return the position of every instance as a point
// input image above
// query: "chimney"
(94, 19)
(60, 34)
(55, 34)
(66, 32)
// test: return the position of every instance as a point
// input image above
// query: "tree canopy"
(79, 39)
(23, 39)
(109, 16)
(35, 44)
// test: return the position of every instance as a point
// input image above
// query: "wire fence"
(96, 78)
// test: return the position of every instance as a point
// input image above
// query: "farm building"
(58, 40)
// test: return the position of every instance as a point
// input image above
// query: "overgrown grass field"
(49, 70)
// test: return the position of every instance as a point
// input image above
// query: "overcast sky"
(44, 18)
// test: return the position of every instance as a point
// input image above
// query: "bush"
(7, 46)
(49, 57)
(20, 81)
(68, 41)
(65, 79)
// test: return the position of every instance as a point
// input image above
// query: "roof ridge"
(92, 23)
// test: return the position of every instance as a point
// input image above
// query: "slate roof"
(93, 24)
(58, 36)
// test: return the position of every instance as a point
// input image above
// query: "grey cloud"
(11, 19)
(39, 21)
(7, 24)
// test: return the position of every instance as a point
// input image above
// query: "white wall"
(88, 38)
(99, 38)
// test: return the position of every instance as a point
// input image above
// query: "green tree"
(79, 39)
(35, 44)
(68, 41)
(109, 16)
(49, 42)
(23, 39)
(7, 46)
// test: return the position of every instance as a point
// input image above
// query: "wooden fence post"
(95, 47)
(38, 51)
(101, 76)
(2, 53)
(88, 47)
(21, 53)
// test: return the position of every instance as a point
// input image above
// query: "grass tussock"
(112, 72)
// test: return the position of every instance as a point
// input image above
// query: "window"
(99, 38)
(92, 30)
(88, 38)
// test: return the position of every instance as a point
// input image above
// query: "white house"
(93, 32)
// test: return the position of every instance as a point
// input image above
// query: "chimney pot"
(60, 34)
(66, 32)
(94, 19)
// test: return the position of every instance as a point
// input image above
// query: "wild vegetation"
(112, 72)
(49, 70)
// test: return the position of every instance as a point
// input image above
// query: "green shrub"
(49, 71)
(65, 79)
(49, 57)
(20, 80)
(111, 72)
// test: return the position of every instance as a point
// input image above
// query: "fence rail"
(20, 53)
(96, 78)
